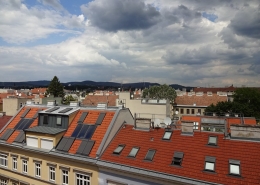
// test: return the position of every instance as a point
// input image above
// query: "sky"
(188, 42)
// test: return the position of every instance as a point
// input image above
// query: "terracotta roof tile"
(203, 100)
(195, 149)
(38, 90)
(215, 89)
(93, 100)
(4, 120)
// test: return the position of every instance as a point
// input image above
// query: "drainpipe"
(135, 120)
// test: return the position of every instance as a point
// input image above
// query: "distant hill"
(87, 84)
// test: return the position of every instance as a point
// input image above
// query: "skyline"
(192, 43)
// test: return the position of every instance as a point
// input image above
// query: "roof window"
(212, 140)
(133, 152)
(119, 149)
(210, 163)
(150, 154)
(234, 167)
(167, 135)
(177, 158)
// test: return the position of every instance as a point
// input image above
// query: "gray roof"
(45, 130)
(60, 108)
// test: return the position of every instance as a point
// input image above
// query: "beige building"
(12, 104)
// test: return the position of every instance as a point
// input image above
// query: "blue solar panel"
(27, 124)
(83, 131)
(76, 131)
(20, 124)
(90, 131)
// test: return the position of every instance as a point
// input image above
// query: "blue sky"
(174, 42)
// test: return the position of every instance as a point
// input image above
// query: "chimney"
(187, 127)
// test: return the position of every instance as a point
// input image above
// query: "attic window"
(58, 120)
(45, 119)
(212, 140)
(234, 167)
(150, 154)
(177, 158)
(119, 149)
(195, 125)
(133, 152)
(210, 163)
(167, 135)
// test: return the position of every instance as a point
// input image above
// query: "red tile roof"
(4, 120)
(3, 95)
(215, 89)
(195, 150)
(38, 90)
(93, 100)
(203, 100)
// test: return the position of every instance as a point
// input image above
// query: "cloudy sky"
(187, 42)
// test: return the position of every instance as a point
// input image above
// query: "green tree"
(55, 88)
(160, 92)
(246, 101)
(68, 99)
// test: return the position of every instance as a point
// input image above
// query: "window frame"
(3, 160)
(3, 181)
(167, 131)
(187, 111)
(151, 159)
(37, 169)
(66, 175)
(182, 111)
(45, 119)
(177, 156)
(52, 173)
(192, 111)
(234, 163)
(60, 122)
(133, 156)
(14, 163)
(87, 180)
(209, 159)
(24, 166)
(213, 144)
(118, 153)
(195, 125)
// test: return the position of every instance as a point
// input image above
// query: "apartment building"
(48, 144)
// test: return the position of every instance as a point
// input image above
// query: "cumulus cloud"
(117, 15)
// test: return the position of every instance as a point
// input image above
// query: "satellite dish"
(167, 121)
(157, 122)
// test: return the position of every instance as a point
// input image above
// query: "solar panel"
(83, 131)
(19, 124)
(82, 147)
(7, 134)
(62, 143)
(82, 117)
(68, 144)
(88, 147)
(20, 137)
(76, 131)
(52, 109)
(25, 113)
(65, 110)
(90, 132)
(27, 124)
(100, 118)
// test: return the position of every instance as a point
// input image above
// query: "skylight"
(133, 152)
(119, 149)
(177, 158)
(210, 163)
(234, 167)
(167, 135)
(150, 154)
(212, 140)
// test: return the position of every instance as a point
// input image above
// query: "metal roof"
(45, 130)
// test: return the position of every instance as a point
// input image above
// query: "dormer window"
(212, 140)
(58, 120)
(45, 119)
(167, 135)
(119, 149)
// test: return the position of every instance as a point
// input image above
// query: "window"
(24, 166)
(3, 182)
(212, 140)
(65, 177)
(52, 173)
(133, 152)
(210, 163)
(150, 154)
(59, 120)
(45, 119)
(119, 149)
(234, 167)
(182, 111)
(3, 160)
(177, 158)
(82, 179)
(195, 125)
(37, 169)
(167, 135)
(14, 163)
(187, 111)
(192, 111)
(199, 111)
